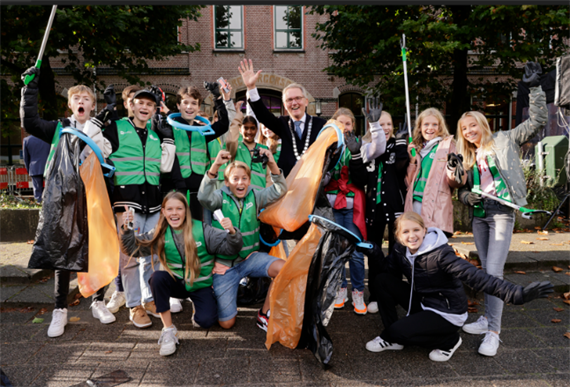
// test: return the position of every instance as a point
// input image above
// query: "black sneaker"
(263, 320)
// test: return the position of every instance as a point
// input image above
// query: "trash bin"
(554, 151)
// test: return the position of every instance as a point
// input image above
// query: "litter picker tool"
(525, 212)
(30, 77)
(408, 117)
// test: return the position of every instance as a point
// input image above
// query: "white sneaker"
(58, 322)
(440, 355)
(490, 344)
(101, 312)
(117, 300)
(373, 307)
(168, 341)
(358, 302)
(478, 327)
(379, 345)
(341, 298)
(175, 305)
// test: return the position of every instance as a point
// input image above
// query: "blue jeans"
(492, 236)
(136, 272)
(226, 285)
(356, 263)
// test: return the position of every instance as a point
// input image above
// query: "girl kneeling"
(434, 295)
(186, 250)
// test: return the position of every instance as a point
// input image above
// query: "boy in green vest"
(192, 158)
(242, 204)
(81, 101)
(140, 154)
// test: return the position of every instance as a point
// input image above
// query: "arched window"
(271, 98)
(354, 102)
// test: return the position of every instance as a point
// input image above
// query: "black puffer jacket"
(437, 276)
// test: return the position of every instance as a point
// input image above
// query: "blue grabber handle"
(362, 244)
(203, 130)
(267, 243)
(93, 147)
(340, 142)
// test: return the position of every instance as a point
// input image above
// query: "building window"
(288, 27)
(271, 99)
(228, 27)
(354, 102)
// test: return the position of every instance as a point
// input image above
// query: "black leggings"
(376, 235)
(422, 327)
(61, 289)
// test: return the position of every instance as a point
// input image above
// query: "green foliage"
(121, 37)
(540, 193)
(14, 202)
(364, 41)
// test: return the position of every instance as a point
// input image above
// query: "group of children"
(177, 182)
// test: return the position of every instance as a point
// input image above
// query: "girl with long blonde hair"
(186, 250)
(492, 162)
(430, 178)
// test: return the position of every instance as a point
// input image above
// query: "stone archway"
(265, 81)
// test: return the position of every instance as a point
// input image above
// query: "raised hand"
(110, 96)
(247, 74)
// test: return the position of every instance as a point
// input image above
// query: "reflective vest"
(421, 180)
(192, 157)
(177, 265)
(54, 142)
(257, 171)
(132, 165)
(214, 147)
(245, 219)
(336, 173)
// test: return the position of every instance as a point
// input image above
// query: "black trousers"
(423, 328)
(61, 289)
(376, 235)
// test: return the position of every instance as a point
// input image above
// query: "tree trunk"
(460, 101)
(47, 91)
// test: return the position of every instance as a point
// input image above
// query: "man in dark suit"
(297, 131)
(35, 156)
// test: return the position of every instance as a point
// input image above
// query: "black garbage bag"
(252, 290)
(62, 234)
(324, 280)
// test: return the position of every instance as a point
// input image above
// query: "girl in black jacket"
(434, 295)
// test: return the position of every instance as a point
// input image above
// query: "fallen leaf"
(557, 269)
(457, 233)
(556, 320)
(542, 232)
(74, 303)
(451, 244)
(467, 243)
(78, 296)
(566, 296)
(542, 239)
(43, 280)
(42, 311)
(74, 319)
(567, 335)
(472, 303)
(567, 273)
(558, 309)
(527, 242)
(557, 244)
(566, 302)
(520, 272)
(472, 310)
(37, 320)
(108, 351)
(30, 242)
(537, 228)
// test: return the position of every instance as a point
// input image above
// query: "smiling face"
(175, 213)
(266, 131)
(248, 131)
(295, 103)
(347, 122)
(143, 108)
(189, 107)
(238, 182)
(471, 131)
(411, 235)
(430, 128)
(81, 104)
(386, 124)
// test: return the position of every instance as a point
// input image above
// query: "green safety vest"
(214, 147)
(245, 219)
(345, 159)
(176, 264)
(500, 186)
(54, 142)
(192, 157)
(421, 179)
(127, 119)
(258, 173)
(132, 165)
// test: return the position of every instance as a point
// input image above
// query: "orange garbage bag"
(293, 209)
(278, 251)
(103, 239)
(287, 296)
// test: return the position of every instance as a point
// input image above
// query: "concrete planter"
(18, 225)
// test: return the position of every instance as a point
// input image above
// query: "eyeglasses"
(289, 101)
